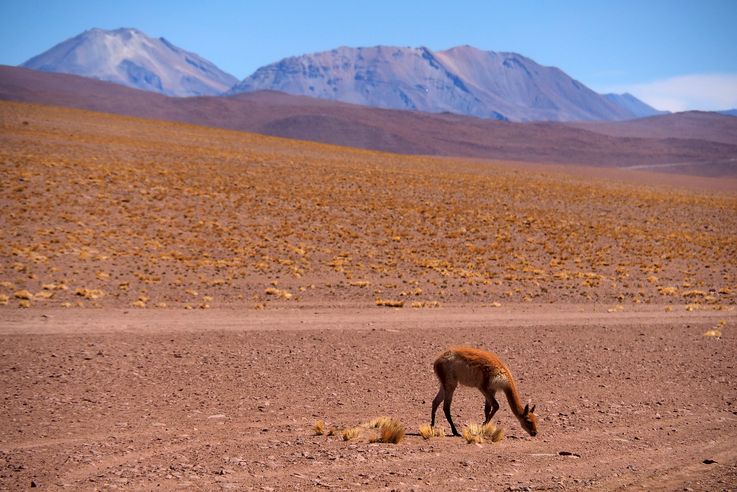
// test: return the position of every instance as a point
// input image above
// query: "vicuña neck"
(513, 398)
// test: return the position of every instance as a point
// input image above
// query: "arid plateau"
(180, 304)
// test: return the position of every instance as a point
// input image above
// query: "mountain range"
(461, 80)
(129, 57)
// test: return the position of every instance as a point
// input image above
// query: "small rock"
(568, 453)
(708, 462)
(33, 484)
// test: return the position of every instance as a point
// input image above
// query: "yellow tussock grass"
(380, 429)
(389, 303)
(427, 431)
(89, 293)
(391, 431)
(478, 434)
(23, 294)
(378, 422)
(350, 433)
(284, 294)
(319, 427)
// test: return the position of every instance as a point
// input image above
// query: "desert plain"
(179, 305)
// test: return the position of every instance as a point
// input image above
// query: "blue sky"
(674, 54)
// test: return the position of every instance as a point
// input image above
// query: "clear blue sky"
(673, 52)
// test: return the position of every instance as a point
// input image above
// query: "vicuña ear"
(532, 410)
(527, 409)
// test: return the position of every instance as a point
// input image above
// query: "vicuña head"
(482, 370)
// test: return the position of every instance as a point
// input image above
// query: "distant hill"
(697, 125)
(305, 118)
(637, 107)
(462, 80)
(129, 57)
(729, 112)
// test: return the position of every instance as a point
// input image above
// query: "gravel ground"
(226, 399)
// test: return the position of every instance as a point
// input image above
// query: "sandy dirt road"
(226, 399)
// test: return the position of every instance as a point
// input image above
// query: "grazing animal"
(482, 370)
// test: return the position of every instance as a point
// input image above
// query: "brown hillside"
(394, 131)
(696, 125)
(114, 211)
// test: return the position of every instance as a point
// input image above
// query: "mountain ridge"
(129, 57)
(462, 80)
(406, 132)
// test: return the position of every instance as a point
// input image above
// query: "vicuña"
(482, 370)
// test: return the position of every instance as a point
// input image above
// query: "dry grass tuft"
(391, 431)
(427, 431)
(380, 429)
(389, 303)
(668, 291)
(350, 433)
(319, 427)
(478, 434)
(23, 294)
(472, 433)
(492, 433)
(713, 333)
(425, 304)
(90, 294)
(378, 422)
(273, 291)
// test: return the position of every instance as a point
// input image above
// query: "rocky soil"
(225, 399)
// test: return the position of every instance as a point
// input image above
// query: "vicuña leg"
(490, 407)
(436, 403)
(446, 408)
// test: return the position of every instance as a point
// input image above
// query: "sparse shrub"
(23, 294)
(491, 432)
(380, 429)
(90, 294)
(427, 431)
(425, 304)
(389, 303)
(694, 293)
(378, 422)
(350, 433)
(319, 427)
(472, 434)
(478, 434)
(392, 432)
(668, 291)
(273, 291)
